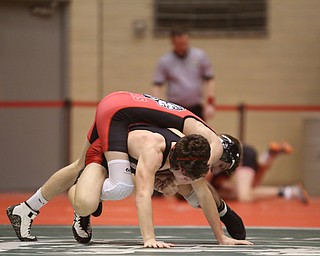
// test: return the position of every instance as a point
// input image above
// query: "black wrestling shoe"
(81, 229)
(21, 217)
(234, 224)
(97, 212)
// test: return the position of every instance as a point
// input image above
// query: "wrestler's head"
(189, 158)
(231, 156)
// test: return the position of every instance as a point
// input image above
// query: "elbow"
(142, 195)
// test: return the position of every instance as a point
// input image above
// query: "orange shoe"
(282, 147)
(274, 148)
(286, 147)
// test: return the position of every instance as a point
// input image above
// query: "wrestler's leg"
(244, 177)
(22, 215)
(85, 198)
(119, 184)
(85, 195)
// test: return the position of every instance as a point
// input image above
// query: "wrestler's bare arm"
(193, 126)
(149, 161)
(210, 211)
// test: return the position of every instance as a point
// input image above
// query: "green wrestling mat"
(58, 240)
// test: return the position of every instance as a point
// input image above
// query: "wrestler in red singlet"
(117, 111)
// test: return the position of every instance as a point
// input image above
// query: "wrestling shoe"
(296, 191)
(303, 194)
(81, 229)
(280, 147)
(97, 212)
(21, 217)
(234, 224)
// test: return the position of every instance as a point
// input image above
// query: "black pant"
(197, 110)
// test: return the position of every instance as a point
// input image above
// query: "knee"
(84, 206)
(116, 192)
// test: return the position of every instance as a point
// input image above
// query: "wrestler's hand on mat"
(230, 241)
(152, 243)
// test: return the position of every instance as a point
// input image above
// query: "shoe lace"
(83, 222)
(29, 227)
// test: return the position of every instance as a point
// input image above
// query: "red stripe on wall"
(84, 103)
(60, 104)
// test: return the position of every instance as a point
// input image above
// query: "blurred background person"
(245, 184)
(189, 77)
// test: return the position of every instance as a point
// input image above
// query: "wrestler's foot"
(234, 224)
(81, 229)
(21, 217)
(297, 191)
(280, 147)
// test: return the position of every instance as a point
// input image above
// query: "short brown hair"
(191, 154)
(178, 31)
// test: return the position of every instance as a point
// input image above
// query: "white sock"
(224, 210)
(36, 201)
(288, 192)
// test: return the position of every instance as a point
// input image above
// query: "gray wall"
(32, 68)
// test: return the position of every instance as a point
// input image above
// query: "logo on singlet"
(138, 97)
(127, 170)
(165, 104)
